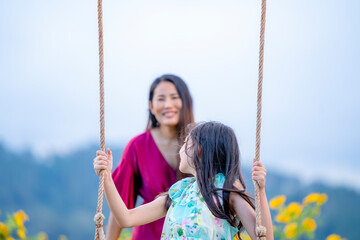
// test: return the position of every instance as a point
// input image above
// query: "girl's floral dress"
(189, 217)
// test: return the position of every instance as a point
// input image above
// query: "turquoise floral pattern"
(189, 217)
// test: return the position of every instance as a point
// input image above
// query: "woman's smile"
(170, 114)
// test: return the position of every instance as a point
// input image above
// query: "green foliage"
(125, 234)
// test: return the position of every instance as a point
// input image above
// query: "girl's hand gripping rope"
(259, 173)
(125, 218)
(103, 161)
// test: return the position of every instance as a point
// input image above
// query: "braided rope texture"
(99, 217)
(260, 230)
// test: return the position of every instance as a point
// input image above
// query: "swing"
(99, 217)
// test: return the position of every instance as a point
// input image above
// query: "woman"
(149, 165)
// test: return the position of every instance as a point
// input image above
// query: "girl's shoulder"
(177, 189)
(180, 187)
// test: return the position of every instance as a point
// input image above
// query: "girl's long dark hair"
(186, 113)
(214, 150)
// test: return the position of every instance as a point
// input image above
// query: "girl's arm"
(113, 229)
(245, 212)
(126, 218)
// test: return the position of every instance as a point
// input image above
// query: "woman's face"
(186, 160)
(166, 104)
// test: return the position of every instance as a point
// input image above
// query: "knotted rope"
(260, 230)
(99, 217)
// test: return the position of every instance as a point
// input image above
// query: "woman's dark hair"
(214, 149)
(186, 113)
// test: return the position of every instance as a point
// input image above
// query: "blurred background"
(49, 97)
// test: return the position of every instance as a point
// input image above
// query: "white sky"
(311, 109)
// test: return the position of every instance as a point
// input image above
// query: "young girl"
(212, 204)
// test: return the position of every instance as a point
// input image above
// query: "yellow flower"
(277, 201)
(322, 199)
(281, 218)
(9, 238)
(293, 210)
(3, 229)
(43, 236)
(21, 232)
(311, 198)
(315, 197)
(63, 237)
(20, 216)
(244, 236)
(290, 230)
(334, 237)
(309, 224)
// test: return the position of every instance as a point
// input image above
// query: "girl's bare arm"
(134, 217)
(126, 218)
(245, 212)
(113, 229)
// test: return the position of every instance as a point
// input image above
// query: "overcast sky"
(311, 104)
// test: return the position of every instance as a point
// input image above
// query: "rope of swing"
(99, 217)
(260, 230)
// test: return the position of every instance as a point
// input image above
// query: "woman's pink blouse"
(143, 171)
